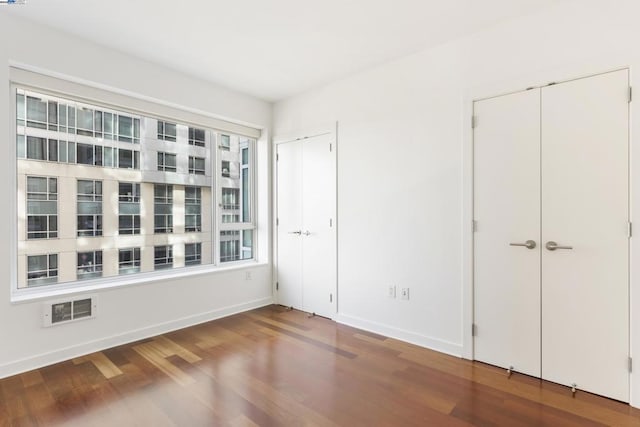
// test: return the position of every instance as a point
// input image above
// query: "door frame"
(331, 130)
(541, 79)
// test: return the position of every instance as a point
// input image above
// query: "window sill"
(109, 283)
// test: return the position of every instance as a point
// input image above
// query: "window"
(129, 260)
(196, 165)
(225, 142)
(89, 265)
(226, 169)
(89, 208)
(193, 209)
(104, 207)
(192, 254)
(163, 208)
(166, 131)
(196, 137)
(129, 208)
(236, 219)
(42, 207)
(42, 269)
(163, 257)
(166, 162)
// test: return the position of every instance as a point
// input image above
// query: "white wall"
(404, 161)
(133, 312)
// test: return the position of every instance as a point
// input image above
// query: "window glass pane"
(62, 151)
(125, 128)
(53, 150)
(21, 147)
(36, 112)
(85, 154)
(125, 159)
(85, 121)
(36, 148)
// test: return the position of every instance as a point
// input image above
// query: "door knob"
(529, 244)
(306, 233)
(296, 232)
(552, 246)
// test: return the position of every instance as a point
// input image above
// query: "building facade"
(103, 193)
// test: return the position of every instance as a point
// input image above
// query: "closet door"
(585, 209)
(507, 210)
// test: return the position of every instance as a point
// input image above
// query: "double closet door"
(551, 247)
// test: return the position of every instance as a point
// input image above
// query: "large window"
(105, 208)
(42, 207)
(89, 208)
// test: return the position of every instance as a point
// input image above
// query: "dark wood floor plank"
(274, 366)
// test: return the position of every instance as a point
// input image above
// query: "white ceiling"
(272, 49)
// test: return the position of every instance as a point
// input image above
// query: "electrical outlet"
(247, 275)
(391, 292)
(404, 293)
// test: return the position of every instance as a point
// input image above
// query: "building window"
(129, 260)
(89, 208)
(42, 269)
(226, 169)
(129, 208)
(236, 222)
(166, 162)
(128, 159)
(163, 208)
(89, 265)
(193, 209)
(196, 165)
(163, 257)
(196, 137)
(89, 154)
(225, 142)
(166, 131)
(192, 254)
(42, 207)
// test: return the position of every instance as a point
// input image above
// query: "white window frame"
(79, 91)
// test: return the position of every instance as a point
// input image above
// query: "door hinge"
(630, 229)
(330, 222)
(330, 148)
(277, 285)
(630, 94)
(474, 225)
(277, 157)
(630, 365)
(277, 222)
(474, 122)
(474, 330)
(330, 297)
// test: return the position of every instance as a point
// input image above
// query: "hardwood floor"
(275, 367)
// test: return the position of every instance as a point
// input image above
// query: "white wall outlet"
(404, 293)
(391, 292)
(247, 275)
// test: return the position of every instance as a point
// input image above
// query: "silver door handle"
(529, 244)
(296, 232)
(306, 233)
(552, 246)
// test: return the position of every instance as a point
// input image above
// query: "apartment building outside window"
(42, 207)
(89, 208)
(96, 213)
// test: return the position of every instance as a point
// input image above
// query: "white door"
(306, 197)
(289, 207)
(507, 211)
(585, 206)
(551, 165)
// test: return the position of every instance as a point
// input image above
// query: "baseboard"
(401, 334)
(61, 355)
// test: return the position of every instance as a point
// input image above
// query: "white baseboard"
(401, 334)
(63, 354)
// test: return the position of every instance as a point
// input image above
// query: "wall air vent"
(59, 312)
